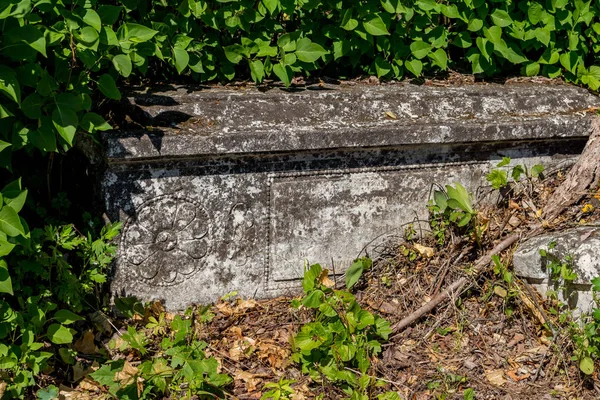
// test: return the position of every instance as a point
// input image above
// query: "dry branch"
(584, 173)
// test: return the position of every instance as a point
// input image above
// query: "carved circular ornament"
(167, 240)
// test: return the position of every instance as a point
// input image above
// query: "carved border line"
(268, 285)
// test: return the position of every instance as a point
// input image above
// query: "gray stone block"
(233, 190)
(582, 244)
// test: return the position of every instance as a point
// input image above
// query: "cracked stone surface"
(234, 190)
(581, 244)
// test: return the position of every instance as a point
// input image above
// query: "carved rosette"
(167, 240)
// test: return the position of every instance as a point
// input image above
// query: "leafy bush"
(341, 338)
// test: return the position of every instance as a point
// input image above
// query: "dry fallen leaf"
(85, 344)
(495, 377)
(126, 375)
(424, 250)
(324, 278)
(391, 115)
(250, 380)
(500, 291)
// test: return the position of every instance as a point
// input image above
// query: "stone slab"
(230, 190)
(582, 244)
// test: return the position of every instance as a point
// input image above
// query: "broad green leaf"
(382, 66)
(5, 112)
(535, 12)
(234, 53)
(349, 23)
(92, 18)
(591, 77)
(59, 334)
(505, 161)
(5, 281)
(356, 270)
(532, 69)
(459, 197)
(414, 66)
(10, 223)
(536, 170)
(3, 145)
(498, 178)
(32, 106)
(501, 18)
(108, 87)
(271, 5)
(88, 35)
(257, 70)
(375, 26)
(420, 49)
(439, 58)
(65, 121)
(475, 24)
(32, 36)
(586, 365)
(94, 122)
(308, 51)
(182, 59)
(122, 64)
(283, 72)
(462, 40)
(66, 317)
(9, 85)
(109, 14)
(139, 33)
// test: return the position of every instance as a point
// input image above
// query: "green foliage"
(342, 336)
(279, 390)
(560, 269)
(499, 177)
(178, 368)
(60, 272)
(452, 206)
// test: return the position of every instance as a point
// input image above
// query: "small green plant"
(498, 177)
(279, 390)
(179, 367)
(338, 343)
(454, 205)
(561, 269)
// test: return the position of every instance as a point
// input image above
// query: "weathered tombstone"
(232, 190)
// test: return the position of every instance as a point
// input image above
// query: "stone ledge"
(218, 122)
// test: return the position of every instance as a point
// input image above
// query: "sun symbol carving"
(167, 241)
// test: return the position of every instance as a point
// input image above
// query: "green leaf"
(271, 5)
(439, 58)
(49, 393)
(5, 281)
(10, 223)
(59, 334)
(284, 72)
(532, 69)
(308, 51)
(257, 70)
(355, 271)
(517, 171)
(501, 18)
(535, 13)
(109, 14)
(382, 66)
(138, 33)
(505, 161)
(475, 24)
(108, 87)
(122, 64)
(463, 40)
(92, 18)
(88, 35)
(3, 145)
(498, 178)
(66, 317)
(65, 121)
(32, 36)
(591, 77)
(537, 170)
(414, 66)
(314, 299)
(181, 57)
(420, 49)
(32, 106)
(375, 26)
(93, 122)
(9, 85)
(586, 365)
(348, 23)
(234, 53)
(459, 198)
(469, 394)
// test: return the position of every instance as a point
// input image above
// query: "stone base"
(237, 190)
(582, 244)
